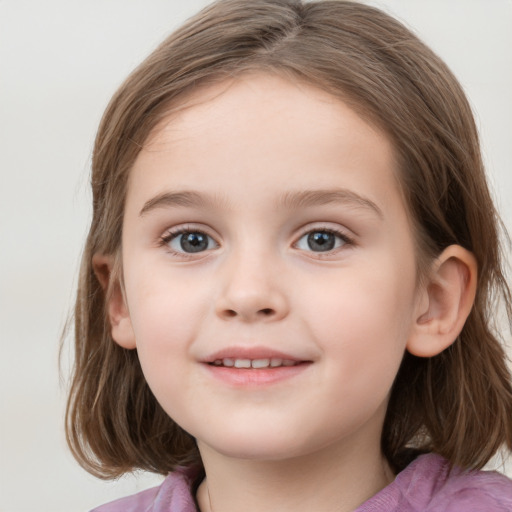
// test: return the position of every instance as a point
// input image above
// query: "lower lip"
(256, 377)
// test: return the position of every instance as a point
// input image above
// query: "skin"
(347, 314)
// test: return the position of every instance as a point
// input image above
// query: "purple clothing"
(423, 486)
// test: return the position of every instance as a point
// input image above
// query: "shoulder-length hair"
(459, 403)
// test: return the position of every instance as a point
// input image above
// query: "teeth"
(260, 363)
(274, 362)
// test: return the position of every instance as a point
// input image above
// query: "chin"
(262, 454)
(257, 446)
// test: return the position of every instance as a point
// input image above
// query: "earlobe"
(446, 301)
(107, 271)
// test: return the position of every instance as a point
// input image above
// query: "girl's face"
(264, 227)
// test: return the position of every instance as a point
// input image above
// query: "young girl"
(289, 286)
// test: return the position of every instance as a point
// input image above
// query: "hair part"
(459, 403)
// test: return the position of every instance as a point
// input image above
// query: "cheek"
(362, 321)
(163, 307)
(165, 316)
(164, 329)
(358, 301)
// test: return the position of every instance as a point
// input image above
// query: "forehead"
(254, 98)
(263, 128)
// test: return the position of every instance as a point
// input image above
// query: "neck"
(330, 480)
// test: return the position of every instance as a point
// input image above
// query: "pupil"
(194, 242)
(321, 241)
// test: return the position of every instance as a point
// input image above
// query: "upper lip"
(250, 353)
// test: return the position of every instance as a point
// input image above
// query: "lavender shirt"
(424, 486)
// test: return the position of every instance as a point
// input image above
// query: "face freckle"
(254, 168)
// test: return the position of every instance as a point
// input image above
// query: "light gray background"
(60, 61)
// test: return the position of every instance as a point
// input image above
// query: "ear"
(107, 271)
(445, 302)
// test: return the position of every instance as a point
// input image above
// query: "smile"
(274, 362)
(255, 366)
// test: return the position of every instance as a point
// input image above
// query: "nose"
(251, 291)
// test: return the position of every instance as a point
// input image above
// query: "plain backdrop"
(60, 61)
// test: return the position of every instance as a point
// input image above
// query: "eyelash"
(346, 240)
(171, 235)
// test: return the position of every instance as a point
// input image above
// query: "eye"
(322, 240)
(189, 241)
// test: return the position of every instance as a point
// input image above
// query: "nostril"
(266, 311)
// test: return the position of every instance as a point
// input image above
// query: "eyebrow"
(175, 199)
(292, 200)
(309, 198)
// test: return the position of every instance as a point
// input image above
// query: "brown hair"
(459, 403)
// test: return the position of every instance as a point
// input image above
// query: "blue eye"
(322, 240)
(189, 241)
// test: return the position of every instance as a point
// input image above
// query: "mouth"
(257, 364)
(254, 367)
